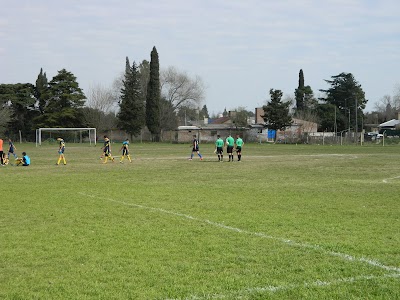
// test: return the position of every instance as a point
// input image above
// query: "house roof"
(221, 120)
(391, 123)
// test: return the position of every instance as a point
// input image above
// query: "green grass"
(288, 222)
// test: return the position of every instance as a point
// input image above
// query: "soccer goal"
(85, 134)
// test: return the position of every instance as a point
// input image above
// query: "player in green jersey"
(239, 144)
(219, 148)
(230, 144)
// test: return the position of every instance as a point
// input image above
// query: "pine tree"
(21, 102)
(203, 112)
(153, 97)
(276, 112)
(65, 101)
(131, 116)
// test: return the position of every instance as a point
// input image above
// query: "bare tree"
(117, 86)
(180, 89)
(101, 105)
(101, 98)
(387, 107)
(396, 96)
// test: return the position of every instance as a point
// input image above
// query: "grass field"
(288, 222)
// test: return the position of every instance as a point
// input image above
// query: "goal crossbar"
(39, 133)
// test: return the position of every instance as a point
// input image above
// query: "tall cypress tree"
(40, 90)
(153, 97)
(131, 115)
(127, 65)
(299, 92)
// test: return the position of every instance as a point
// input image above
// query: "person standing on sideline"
(24, 161)
(239, 144)
(195, 148)
(61, 149)
(1, 152)
(107, 150)
(11, 149)
(230, 143)
(125, 151)
(219, 148)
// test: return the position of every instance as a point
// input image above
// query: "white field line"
(278, 288)
(343, 256)
(386, 180)
(213, 157)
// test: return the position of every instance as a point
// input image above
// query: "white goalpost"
(91, 132)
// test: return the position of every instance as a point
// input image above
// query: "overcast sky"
(240, 49)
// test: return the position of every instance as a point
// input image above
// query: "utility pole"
(356, 128)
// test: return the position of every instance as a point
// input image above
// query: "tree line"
(141, 96)
(144, 96)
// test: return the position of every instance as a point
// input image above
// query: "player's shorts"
(61, 151)
(229, 149)
(238, 148)
(125, 152)
(220, 150)
(195, 149)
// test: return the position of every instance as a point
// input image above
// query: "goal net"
(71, 135)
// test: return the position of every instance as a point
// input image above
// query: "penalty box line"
(341, 255)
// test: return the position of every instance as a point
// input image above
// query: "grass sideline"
(288, 222)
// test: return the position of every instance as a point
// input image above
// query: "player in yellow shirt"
(125, 151)
(61, 150)
(107, 150)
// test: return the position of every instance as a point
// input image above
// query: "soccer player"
(195, 145)
(230, 143)
(125, 151)
(11, 149)
(239, 144)
(107, 150)
(1, 152)
(5, 160)
(24, 161)
(61, 150)
(219, 148)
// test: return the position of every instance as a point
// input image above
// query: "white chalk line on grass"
(386, 180)
(343, 256)
(281, 288)
(249, 157)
